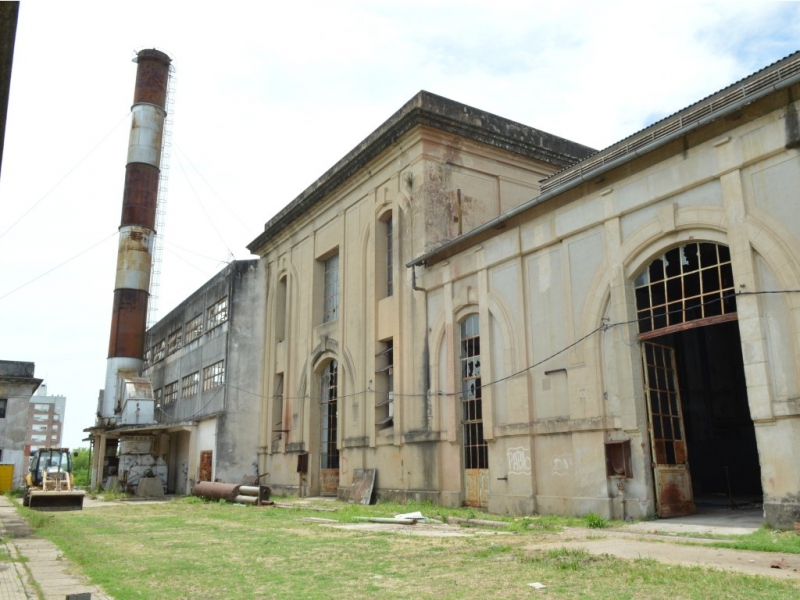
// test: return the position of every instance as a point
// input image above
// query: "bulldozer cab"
(48, 463)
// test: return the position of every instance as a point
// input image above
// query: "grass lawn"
(204, 550)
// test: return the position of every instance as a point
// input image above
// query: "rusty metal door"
(477, 487)
(205, 465)
(673, 481)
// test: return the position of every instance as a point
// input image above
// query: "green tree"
(81, 465)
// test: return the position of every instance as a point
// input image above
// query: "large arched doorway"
(329, 425)
(703, 443)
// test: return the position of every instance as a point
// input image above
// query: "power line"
(197, 197)
(233, 212)
(57, 266)
(602, 328)
(60, 181)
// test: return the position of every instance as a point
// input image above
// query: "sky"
(268, 96)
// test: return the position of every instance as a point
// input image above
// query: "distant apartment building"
(45, 420)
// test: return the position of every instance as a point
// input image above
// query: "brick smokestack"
(137, 227)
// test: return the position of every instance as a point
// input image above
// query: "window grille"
(475, 450)
(329, 394)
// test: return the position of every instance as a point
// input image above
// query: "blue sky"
(269, 97)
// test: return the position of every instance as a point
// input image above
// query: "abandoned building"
(491, 315)
(201, 361)
(17, 385)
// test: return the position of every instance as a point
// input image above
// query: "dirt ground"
(662, 540)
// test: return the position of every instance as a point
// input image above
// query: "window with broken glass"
(475, 450)
(384, 386)
(328, 396)
(171, 392)
(693, 282)
(214, 375)
(218, 313)
(190, 384)
(193, 329)
(277, 413)
(331, 289)
(174, 341)
(157, 394)
(159, 351)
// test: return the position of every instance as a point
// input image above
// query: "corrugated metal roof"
(740, 90)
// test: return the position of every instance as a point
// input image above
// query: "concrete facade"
(435, 170)
(520, 322)
(17, 385)
(202, 362)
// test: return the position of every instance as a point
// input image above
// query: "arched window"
(475, 450)
(329, 453)
(687, 286)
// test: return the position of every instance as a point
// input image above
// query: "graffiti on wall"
(519, 460)
(562, 465)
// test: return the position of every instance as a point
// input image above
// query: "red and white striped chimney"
(137, 227)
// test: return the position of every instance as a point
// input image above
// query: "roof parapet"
(440, 113)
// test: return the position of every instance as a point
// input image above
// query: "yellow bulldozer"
(49, 481)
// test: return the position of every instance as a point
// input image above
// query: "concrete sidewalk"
(44, 574)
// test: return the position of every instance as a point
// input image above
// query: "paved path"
(44, 574)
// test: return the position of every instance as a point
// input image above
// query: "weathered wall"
(434, 186)
(567, 267)
(239, 342)
(17, 385)
(553, 291)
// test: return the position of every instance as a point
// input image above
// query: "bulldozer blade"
(56, 500)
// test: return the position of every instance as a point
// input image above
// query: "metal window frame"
(389, 252)
(193, 329)
(476, 451)
(174, 341)
(214, 375)
(710, 302)
(159, 350)
(218, 313)
(190, 384)
(171, 392)
(329, 416)
(330, 289)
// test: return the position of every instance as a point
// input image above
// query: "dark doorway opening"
(720, 435)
